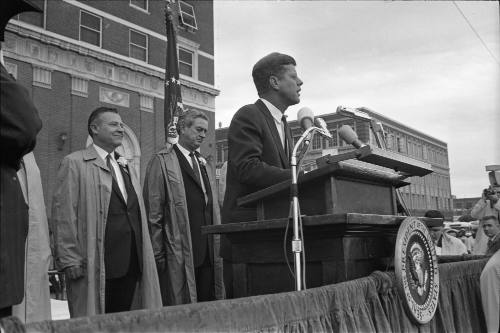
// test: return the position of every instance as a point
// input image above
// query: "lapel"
(186, 166)
(272, 127)
(90, 154)
(206, 180)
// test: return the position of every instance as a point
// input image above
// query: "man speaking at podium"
(259, 140)
(260, 143)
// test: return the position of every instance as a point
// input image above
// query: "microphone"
(348, 135)
(321, 124)
(353, 113)
(305, 117)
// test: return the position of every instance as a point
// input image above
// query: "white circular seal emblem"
(417, 276)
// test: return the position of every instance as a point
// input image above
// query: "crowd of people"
(122, 246)
(486, 241)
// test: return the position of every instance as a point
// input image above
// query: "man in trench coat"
(180, 198)
(100, 228)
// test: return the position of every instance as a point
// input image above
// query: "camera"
(489, 191)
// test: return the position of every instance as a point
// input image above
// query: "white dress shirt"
(277, 115)
(119, 177)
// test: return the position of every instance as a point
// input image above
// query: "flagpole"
(172, 94)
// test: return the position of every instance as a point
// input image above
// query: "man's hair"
(96, 113)
(434, 214)
(271, 64)
(187, 118)
(489, 217)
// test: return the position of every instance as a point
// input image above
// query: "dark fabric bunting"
(369, 304)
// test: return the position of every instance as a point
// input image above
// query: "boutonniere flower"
(122, 161)
(202, 161)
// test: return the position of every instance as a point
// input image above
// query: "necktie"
(110, 167)
(196, 168)
(285, 131)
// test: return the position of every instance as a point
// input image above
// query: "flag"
(172, 98)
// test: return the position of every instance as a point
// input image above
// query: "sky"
(417, 62)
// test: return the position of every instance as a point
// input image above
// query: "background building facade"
(430, 192)
(79, 55)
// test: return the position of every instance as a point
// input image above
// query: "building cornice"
(47, 54)
(84, 49)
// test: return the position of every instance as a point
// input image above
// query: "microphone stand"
(297, 244)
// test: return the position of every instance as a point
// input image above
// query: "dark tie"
(110, 167)
(196, 168)
(285, 131)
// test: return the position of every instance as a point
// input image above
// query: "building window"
(187, 15)
(138, 45)
(317, 141)
(90, 28)
(334, 142)
(219, 153)
(34, 18)
(140, 4)
(185, 62)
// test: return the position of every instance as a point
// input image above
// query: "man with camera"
(488, 205)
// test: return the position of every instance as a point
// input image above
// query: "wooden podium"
(349, 224)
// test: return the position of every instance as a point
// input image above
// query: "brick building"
(430, 192)
(79, 55)
(463, 206)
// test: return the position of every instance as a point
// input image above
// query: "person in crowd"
(491, 229)
(100, 228)
(488, 205)
(36, 303)
(19, 126)
(259, 142)
(444, 243)
(490, 293)
(180, 199)
(467, 239)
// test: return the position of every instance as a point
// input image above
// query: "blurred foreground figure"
(36, 303)
(19, 125)
(490, 293)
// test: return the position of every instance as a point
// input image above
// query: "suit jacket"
(493, 245)
(19, 125)
(256, 160)
(123, 244)
(199, 211)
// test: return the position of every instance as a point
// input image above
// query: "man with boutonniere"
(100, 228)
(180, 199)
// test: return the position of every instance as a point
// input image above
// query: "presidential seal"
(417, 276)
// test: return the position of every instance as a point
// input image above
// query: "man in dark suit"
(99, 219)
(179, 199)
(259, 141)
(19, 125)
